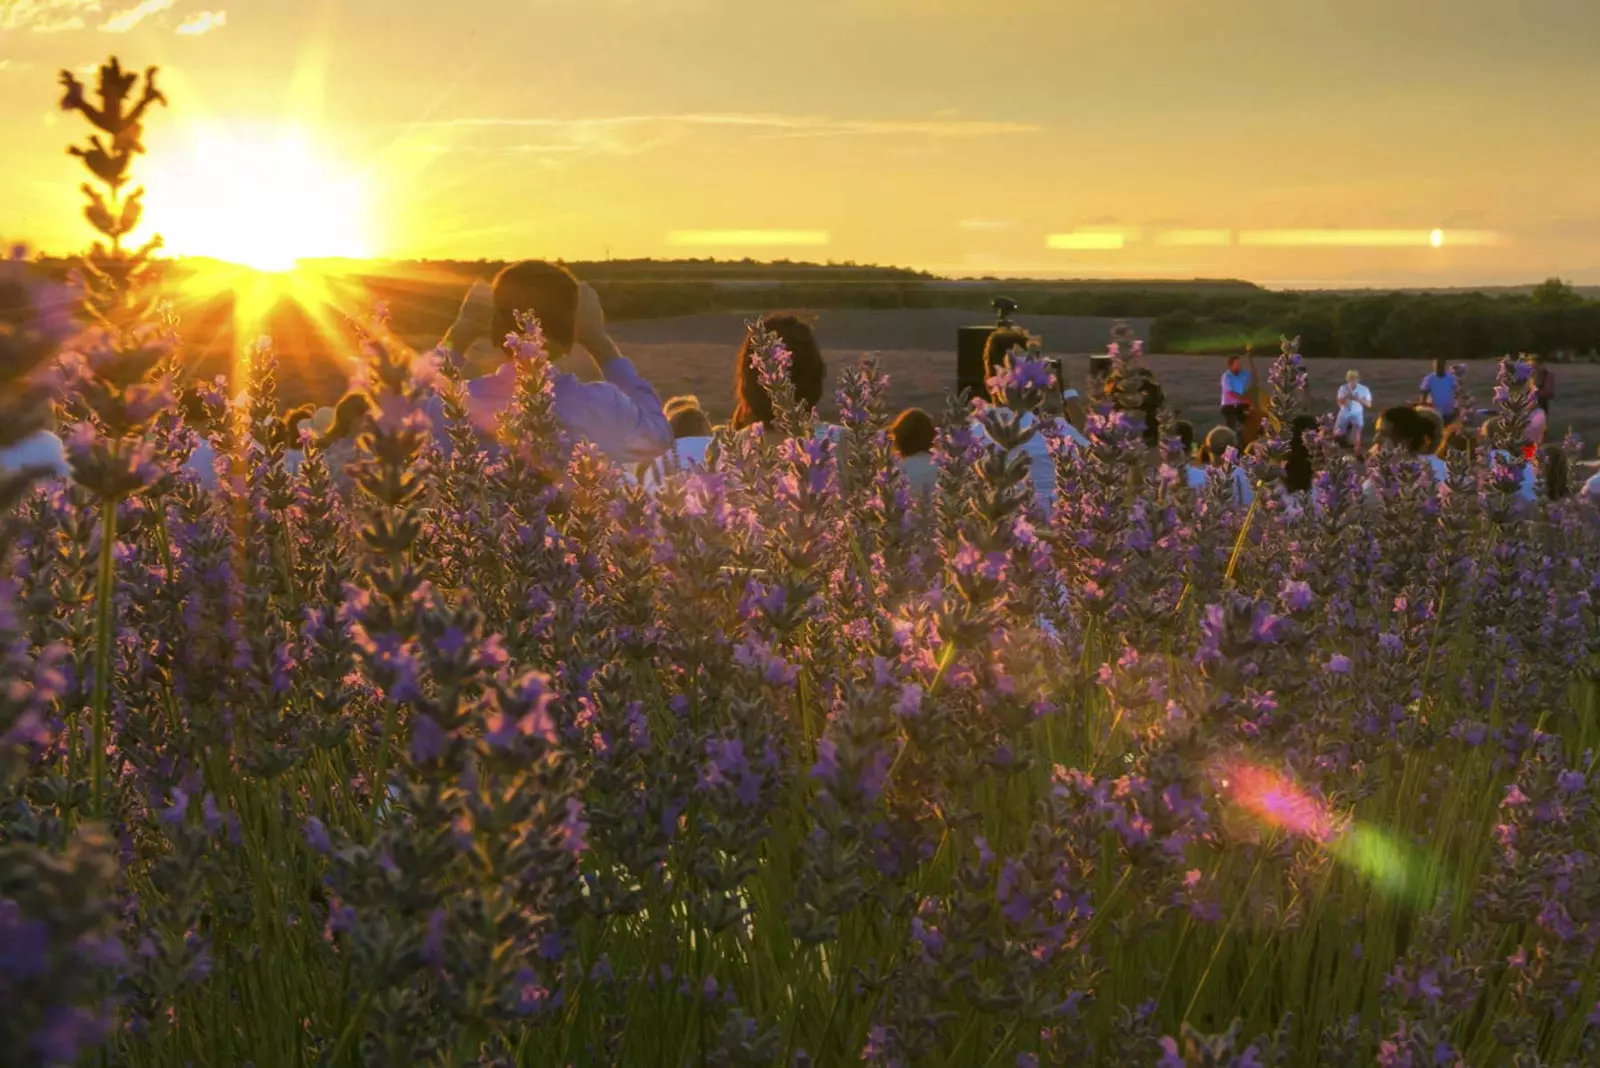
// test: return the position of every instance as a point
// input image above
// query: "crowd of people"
(622, 414)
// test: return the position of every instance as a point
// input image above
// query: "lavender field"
(477, 753)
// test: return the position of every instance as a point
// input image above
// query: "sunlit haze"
(1431, 142)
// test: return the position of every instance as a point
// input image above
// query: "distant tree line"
(1195, 316)
(1553, 319)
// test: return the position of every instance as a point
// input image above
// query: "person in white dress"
(1354, 400)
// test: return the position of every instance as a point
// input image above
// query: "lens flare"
(1276, 801)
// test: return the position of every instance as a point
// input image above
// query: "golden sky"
(1292, 142)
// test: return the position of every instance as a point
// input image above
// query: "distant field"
(681, 357)
(694, 354)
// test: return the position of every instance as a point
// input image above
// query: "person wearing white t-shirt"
(691, 430)
(1050, 423)
(913, 433)
(1354, 400)
(41, 452)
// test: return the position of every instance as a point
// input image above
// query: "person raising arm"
(621, 414)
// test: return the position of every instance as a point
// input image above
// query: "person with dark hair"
(1414, 433)
(1235, 403)
(751, 405)
(913, 433)
(1194, 473)
(1298, 470)
(1439, 392)
(621, 414)
(1003, 345)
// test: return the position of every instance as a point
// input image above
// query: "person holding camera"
(621, 414)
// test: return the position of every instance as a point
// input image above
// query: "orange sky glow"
(1290, 142)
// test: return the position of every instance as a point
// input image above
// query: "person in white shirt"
(40, 451)
(691, 429)
(1050, 423)
(1354, 400)
(913, 433)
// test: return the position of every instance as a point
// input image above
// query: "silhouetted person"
(1298, 470)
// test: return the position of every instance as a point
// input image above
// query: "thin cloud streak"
(129, 17)
(784, 125)
(748, 238)
(202, 22)
(46, 16)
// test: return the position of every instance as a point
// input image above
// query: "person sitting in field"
(202, 462)
(913, 434)
(1298, 470)
(1049, 423)
(621, 415)
(1220, 452)
(1413, 432)
(1194, 475)
(1439, 392)
(40, 452)
(691, 432)
(807, 371)
(1528, 489)
(1354, 400)
(1591, 486)
(1553, 466)
(1459, 440)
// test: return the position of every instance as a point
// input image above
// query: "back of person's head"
(1000, 345)
(1297, 469)
(1440, 367)
(1185, 431)
(751, 405)
(689, 421)
(913, 432)
(1557, 475)
(1434, 424)
(673, 405)
(1457, 440)
(1405, 428)
(348, 417)
(547, 290)
(1218, 441)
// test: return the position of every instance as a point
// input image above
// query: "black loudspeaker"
(970, 343)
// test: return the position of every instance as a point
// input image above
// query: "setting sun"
(261, 198)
